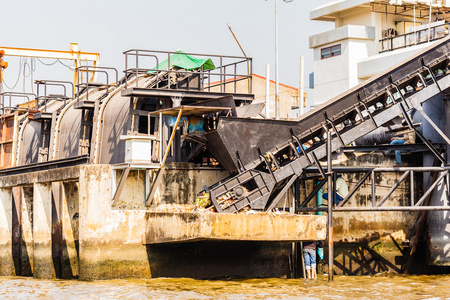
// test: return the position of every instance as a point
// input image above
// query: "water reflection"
(344, 287)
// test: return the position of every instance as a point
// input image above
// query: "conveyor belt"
(264, 152)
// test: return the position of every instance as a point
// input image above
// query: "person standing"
(309, 256)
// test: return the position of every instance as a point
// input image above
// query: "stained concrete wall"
(111, 237)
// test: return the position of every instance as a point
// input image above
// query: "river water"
(344, 287)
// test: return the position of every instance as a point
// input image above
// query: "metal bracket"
(367, 109)
(300, 145)
(431, 73)
(334, 128)
(269, 167)
(399, 92)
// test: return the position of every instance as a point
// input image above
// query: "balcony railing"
(426, 35)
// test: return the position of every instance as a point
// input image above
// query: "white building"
(369, 37)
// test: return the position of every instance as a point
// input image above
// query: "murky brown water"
(344, 287)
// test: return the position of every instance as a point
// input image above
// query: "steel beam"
(54, 54)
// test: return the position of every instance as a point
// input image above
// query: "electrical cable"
(64, 64)
(47, 64)
(18, 77)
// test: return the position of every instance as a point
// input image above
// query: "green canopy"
(187, 62)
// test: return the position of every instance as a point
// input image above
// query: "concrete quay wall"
(62, 224)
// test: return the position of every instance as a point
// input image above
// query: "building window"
(330, 51)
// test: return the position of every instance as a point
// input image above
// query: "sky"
(112, 26)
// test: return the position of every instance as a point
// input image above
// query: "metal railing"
(7, 105)
(42, 101)
(226, 73)
(435, 32)
(441, 175)
(85, 84)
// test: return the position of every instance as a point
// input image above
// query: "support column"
(6, 259)
(26, 251)
(42, 231)
(69, 220)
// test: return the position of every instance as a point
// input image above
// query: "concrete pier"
(62, 224)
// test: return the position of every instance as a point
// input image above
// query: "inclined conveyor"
(267, 155)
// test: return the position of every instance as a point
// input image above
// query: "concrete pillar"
(69, 221)
(26, 244)
(110, 237)
(42, 231)
(6, 259)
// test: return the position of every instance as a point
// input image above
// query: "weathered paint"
(177, 227)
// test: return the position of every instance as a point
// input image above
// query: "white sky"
(112, 26)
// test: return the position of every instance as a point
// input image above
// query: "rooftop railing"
(435, 32)
(228, 71)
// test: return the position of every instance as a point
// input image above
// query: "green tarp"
(187, 62)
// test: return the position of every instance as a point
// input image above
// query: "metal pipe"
(301, 86)
(375, 209)
(313, 169)
(374, 197)
(248, 64)
(267, 91)
(330, 210)
(411, 182)
(277, 86)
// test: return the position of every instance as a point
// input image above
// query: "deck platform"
(169, 227)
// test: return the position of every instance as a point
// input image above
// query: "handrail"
(416, 35)
(135, 57)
